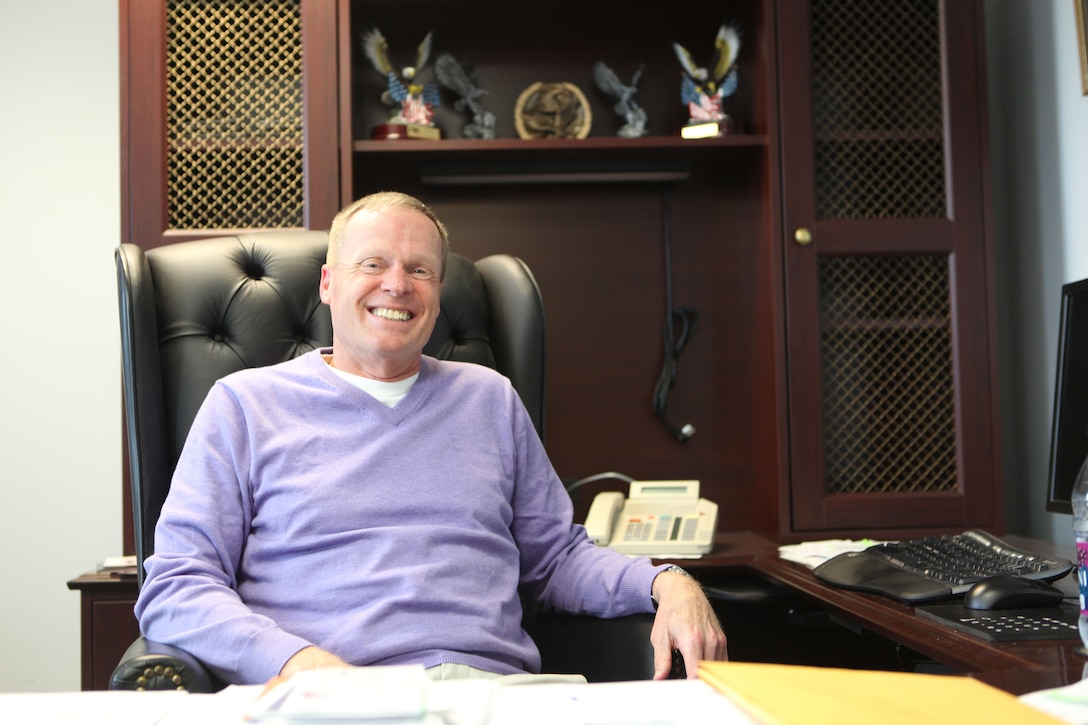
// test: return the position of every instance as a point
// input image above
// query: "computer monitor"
(1069, 431)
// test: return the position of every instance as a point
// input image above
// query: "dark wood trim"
(344, 76)
(321, 114)
(143, 122)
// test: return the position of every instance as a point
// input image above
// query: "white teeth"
(399, 315)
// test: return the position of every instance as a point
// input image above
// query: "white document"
(89, 708)
(814, 553)
(1068, 704)
(355, 694)
(666, 702)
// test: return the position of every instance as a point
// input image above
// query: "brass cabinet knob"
(803, 236)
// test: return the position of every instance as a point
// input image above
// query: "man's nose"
(396, 280)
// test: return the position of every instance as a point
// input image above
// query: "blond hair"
(376, 202)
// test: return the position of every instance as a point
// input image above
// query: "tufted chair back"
(193, 312)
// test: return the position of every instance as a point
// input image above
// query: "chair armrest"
(604, 650)
(148, 665)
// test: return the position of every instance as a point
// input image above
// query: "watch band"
(677, 570)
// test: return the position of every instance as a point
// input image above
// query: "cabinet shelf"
(651, 159)
(548, 146)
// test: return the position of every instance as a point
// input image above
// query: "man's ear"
(323, 285)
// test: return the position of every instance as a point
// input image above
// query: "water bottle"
(1080, 533)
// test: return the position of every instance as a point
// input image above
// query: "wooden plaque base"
(405, 131)
(709, 129)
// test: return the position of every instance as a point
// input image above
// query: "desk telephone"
(659, 517)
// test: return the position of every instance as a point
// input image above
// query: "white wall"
(1039, 153)
(60, 410)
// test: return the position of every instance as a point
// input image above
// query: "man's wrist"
(670, 569)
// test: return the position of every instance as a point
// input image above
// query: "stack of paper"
(814, 553)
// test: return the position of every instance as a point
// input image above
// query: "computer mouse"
(1011, 592)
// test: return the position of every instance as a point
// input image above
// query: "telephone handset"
(659, 517)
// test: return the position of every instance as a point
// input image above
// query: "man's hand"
(310, 658)
(685, 621)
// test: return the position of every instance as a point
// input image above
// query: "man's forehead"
(380, 230)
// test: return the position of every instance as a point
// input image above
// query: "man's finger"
(662, 662)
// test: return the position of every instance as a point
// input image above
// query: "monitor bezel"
(1068, 444)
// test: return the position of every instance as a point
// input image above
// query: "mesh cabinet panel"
(886, 357)
(886, 374)
(877, 109)
(234, 114)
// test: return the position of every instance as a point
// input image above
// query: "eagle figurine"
(702, 89)
(412, 102)
(624, 96)
(461, 79)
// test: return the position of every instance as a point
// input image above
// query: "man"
(364, 504)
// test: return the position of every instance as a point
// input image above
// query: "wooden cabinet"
(620, 232)
(889, 268)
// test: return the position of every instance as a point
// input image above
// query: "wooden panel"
(108, 625)
(598, 254)
(321, 144)
(143, 121)
(115, 628)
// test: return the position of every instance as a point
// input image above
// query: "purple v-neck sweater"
(303, 511)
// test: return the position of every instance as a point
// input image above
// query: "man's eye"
(423, 273)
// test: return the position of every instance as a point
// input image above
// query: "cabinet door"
(229, 117)
(888, 268)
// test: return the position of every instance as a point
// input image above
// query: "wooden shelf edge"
(610, 143)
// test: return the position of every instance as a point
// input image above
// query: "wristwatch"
(674, 568)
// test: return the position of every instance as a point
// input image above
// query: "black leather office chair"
(193, 312)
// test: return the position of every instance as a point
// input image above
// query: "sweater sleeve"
(561, 567)
(189, 598)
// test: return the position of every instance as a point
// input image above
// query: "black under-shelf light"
(561, 171)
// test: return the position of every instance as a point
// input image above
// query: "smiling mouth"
(388, 314)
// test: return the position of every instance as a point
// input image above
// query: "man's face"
(383, 292)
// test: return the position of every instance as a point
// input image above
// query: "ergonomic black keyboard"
(936, 567)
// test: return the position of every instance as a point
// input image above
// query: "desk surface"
(1016, 667)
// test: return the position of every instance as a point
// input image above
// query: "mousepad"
(1008, 625)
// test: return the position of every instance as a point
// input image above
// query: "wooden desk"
(1016, 667)
(108, 624)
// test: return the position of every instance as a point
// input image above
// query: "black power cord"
(680, 324)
